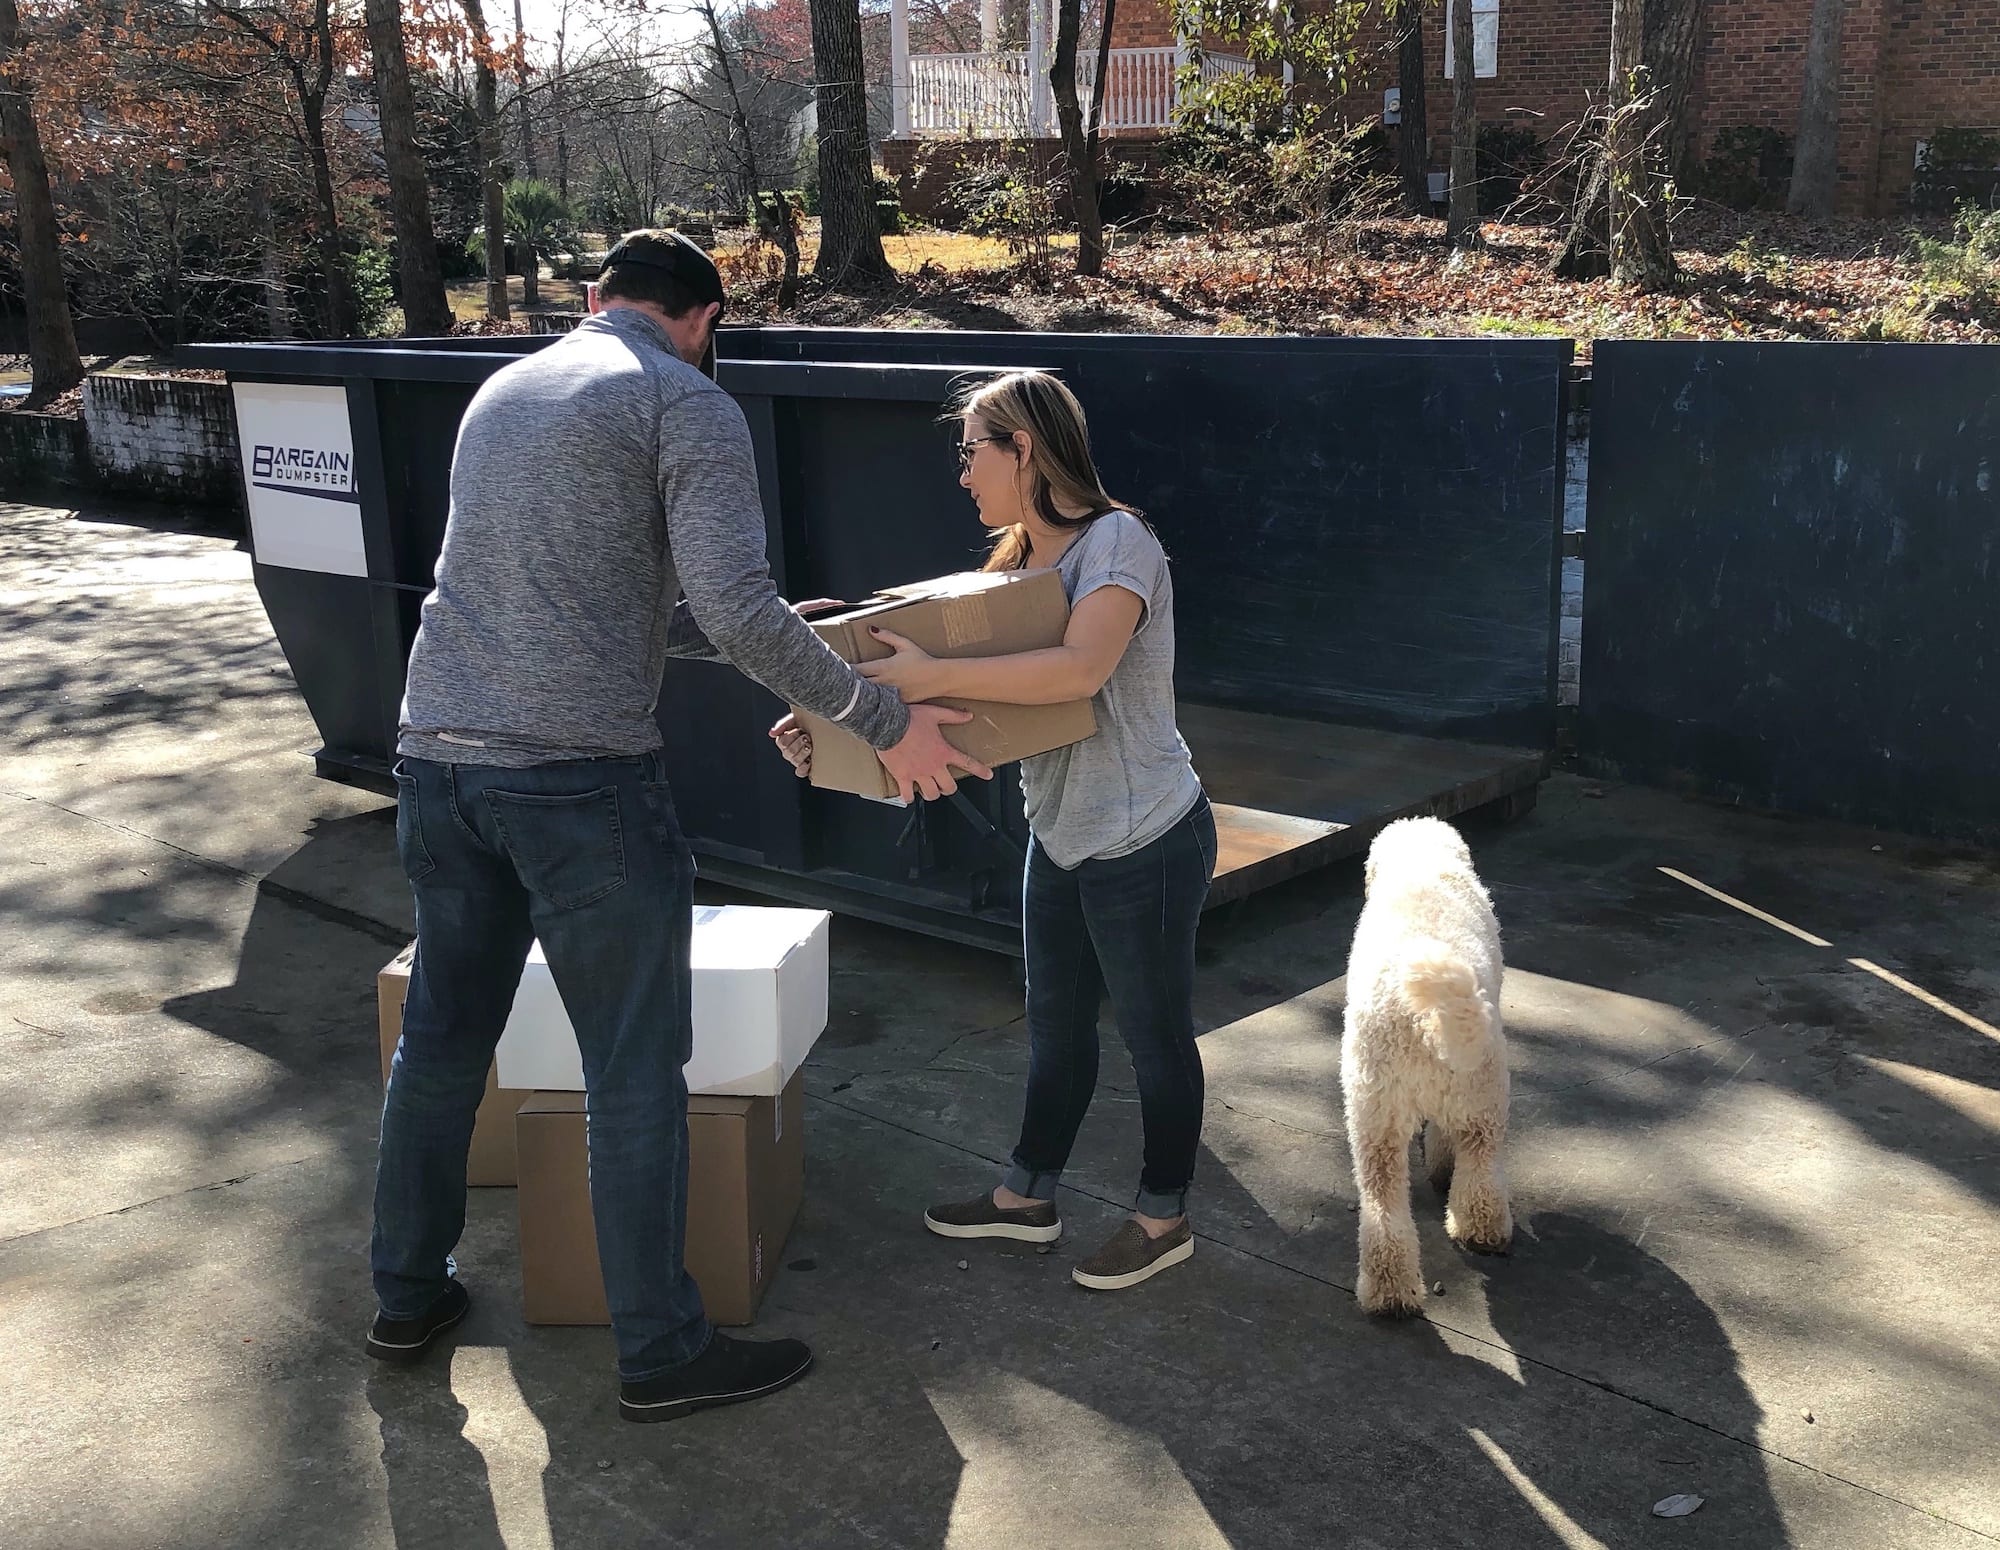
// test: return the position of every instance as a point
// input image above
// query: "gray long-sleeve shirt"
(596, 485)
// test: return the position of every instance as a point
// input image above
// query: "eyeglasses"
(967, 448)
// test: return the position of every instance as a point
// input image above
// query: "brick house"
(1909, 69)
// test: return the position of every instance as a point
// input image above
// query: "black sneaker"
(728, 1372)
(408, 1340)
(981, 1218)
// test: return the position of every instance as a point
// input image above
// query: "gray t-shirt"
(605, 517)
(1121, 790)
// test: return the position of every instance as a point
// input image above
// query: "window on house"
(1485, 38)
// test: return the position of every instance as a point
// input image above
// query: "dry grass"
(948, 252)
(468, 297)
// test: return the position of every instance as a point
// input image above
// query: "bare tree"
(270, 263)
(782, 219)
(426, 312)
(1079, 149)
(521, 95)
(1413, 134)
(1648, 124)
(1816, 155)
(1462, 225)
(1641, 256)
(303, 47)
(560, 92)
(492, 171)
(52, 355)
(850, 241)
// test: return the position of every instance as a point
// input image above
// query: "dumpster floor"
(1293, 795)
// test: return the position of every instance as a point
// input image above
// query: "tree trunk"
(1413, 152)
(1640, 255)
(1586, 251)
(1462, 227)
(492, 176)
(341, 322)
(1082, 165)
(560, 104)
(1816, 161)
(1672, 41)
(426, 313)
(52, 355)
(1673, 44)
(850, 239)
(1098, 87)
(173, 277)
(521, 94)
(271, 263)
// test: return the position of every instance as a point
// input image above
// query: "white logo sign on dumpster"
(298, 477)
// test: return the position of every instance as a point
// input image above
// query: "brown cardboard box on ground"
(974, 614)
(746, 1177)
(491, 1160)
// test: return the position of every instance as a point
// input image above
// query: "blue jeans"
(588, 857)
(1126, 926)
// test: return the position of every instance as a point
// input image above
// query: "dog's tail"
(1443, 992)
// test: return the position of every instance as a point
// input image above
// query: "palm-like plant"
(539, 219)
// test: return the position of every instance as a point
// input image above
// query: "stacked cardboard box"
(491, 1160)
(746, 1173)
(760, 1003)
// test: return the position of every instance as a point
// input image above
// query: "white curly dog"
(1424, 1047)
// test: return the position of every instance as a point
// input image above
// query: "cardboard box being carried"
(760, 978)
(746, 1177)
(491, 1160)
(975, 614)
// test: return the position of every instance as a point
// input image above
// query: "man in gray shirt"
(604, 516)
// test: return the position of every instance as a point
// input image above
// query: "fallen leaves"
(1744, 277)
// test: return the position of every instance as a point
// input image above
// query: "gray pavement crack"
(1265, 1119)
(172, 1194)
(1540, 1094)
(332, 914)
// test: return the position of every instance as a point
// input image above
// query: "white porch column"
(1041, 101)
(989, 26)
(899, 68)
(1181, 57)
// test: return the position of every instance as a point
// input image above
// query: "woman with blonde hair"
(1123, 840)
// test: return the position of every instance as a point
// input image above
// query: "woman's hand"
(796, 744)
(912, 672)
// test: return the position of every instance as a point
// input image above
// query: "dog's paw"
(1482, 1232)
(1389, 1301)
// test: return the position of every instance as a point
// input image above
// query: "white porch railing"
(999, 96)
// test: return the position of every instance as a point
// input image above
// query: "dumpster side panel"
(1789, 588)
(1366, 531)
(326, 629)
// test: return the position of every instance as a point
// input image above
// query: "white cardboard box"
(760, 980)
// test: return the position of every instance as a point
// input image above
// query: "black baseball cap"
(671, 253)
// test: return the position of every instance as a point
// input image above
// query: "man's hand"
(795, 743)
(922, 763)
